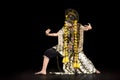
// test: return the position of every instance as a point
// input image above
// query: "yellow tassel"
(65, 59)
(76, 65)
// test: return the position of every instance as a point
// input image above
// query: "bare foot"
(97, 71)
(41, 73)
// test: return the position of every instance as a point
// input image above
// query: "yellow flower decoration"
(65, 45)
(76, 64)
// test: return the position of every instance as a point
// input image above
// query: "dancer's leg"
(44, 67)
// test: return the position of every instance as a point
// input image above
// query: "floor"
(29, 75)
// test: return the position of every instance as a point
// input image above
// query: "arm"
(47, 32)
(87, 27)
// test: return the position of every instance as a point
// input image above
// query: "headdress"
(71, 15)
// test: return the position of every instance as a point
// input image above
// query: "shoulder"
(61, 30)
(80, 25)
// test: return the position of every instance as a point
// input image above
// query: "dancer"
(70, 46)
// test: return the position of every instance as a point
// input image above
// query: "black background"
(23, 39)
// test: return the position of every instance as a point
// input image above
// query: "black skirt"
(51, 53)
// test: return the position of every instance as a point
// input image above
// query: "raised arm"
(87, 27)
(47, 32)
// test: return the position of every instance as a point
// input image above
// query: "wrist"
(47, 34)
